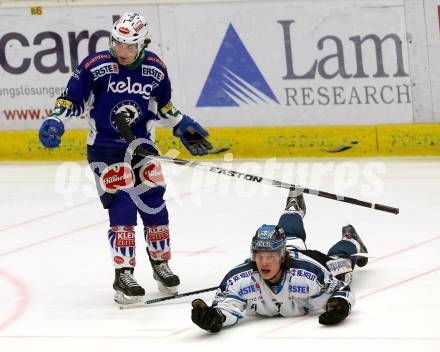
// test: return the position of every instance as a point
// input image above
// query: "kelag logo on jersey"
(131, 88)
(234, 79)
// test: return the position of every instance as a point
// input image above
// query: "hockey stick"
(129, 137)
(157, 300)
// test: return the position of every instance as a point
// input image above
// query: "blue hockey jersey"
(100, 88)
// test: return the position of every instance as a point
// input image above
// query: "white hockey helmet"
(131, 28)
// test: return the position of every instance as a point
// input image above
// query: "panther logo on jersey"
(130, 108)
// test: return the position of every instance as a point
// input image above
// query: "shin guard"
(158, 242)
(122, 245)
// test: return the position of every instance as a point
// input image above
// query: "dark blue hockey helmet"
(269, 238)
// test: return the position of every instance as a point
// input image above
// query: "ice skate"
(295, 202)
(167, 281)
(127, 290)
(349, 233)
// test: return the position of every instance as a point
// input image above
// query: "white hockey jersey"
(306, 285)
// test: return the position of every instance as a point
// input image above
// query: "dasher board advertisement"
(282, 63)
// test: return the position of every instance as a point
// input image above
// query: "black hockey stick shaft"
(128, 135)
(275, 183)
(157, 300)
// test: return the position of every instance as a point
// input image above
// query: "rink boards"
(256, 142)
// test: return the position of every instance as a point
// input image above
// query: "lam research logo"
(234, 79)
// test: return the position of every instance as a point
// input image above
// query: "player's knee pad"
(122, 209)
(158, 242)
(116, 177)
(293, 226)
(123, 246)
(112, 179)
(149, 192)
(151, 175)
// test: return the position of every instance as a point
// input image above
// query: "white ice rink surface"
(56, 275)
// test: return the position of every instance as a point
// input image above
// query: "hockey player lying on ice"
(286, 280)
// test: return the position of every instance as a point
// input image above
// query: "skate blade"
(131, 305)
(123, 300)
(172, 290)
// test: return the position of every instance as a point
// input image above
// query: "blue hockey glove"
(51, 131)
(192, 136)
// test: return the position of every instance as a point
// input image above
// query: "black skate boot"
(348, 232)
(127, 289)
(295, 202)
(167, 281)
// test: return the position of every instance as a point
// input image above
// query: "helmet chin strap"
(137, 61)
(141, 51)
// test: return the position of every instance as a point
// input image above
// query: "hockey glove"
(146, 150)
(192, 136)
(207, 318)
(336, 310)
(51, 131)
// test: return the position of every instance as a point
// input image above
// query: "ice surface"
(56, 275)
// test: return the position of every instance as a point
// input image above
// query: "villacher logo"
(234, 78)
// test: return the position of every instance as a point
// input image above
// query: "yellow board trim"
(256, 142)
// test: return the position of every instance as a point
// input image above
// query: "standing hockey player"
(287, 280)
(127, 81)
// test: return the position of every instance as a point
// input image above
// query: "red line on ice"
(70, 231)
(22, 302)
